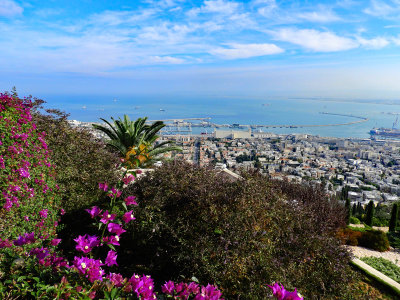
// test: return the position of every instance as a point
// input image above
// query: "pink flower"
(114, 193)
(128, 179)
(130, 200)
(115, 228)
(94, 211)
(43, 213)
(106, 217)
(168, 288)
(55, 242)
(280, 293)
(24, 173)
(40, 253)
(103, 186)
(116, 279)
(62, 212)
(86, 243)
(128, 216)
(111, 258)
(111, 240)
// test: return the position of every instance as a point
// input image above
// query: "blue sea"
(226, 110)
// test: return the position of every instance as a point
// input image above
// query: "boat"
(388, 132)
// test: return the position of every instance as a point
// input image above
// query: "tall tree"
(370, 213)
(394, 217)
(354, 210)
(347, 206)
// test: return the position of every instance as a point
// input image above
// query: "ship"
(387, 132)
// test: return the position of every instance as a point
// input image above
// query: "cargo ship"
(387, 132)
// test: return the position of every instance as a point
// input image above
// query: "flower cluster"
(280, 293)
(184, 291)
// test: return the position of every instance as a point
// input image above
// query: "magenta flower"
(103, 186)
(27, 238)
(128, 216)
(62, 211)
(128, 179)
(111, 258)
(130, 200)
(86, 243)
(168, 288)
(193, 288)
(107, 217)
(40, 253)
(116, 279)
(114, 192)
(111, 240)
(115, 228)
(55, 242)
(94, 211)
(43, 213)
(90, 267)
(280, 293)
(209, 292)
(24, 173)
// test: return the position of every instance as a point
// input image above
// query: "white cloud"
(246, 50)
(9, 8)
(319, 41)
(375, 43)
(321, 16)
(379, 8)
(166, 59)
(215, 6)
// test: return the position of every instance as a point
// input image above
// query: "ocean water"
(236, 110)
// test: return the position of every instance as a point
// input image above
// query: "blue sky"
(344, 48)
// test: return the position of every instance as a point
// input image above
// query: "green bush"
(29, 199)
(379, 222)
(384, 266)
(354, 220)
(81, 161)
(394, 239)
(192, 221)
(374, 239)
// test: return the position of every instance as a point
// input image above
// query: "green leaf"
(111, 246)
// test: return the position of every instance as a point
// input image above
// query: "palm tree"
(135, 140)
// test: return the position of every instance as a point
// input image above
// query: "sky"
(255, 48)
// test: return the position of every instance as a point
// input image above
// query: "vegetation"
(193, 222)
(365, 237)
(384, 266)
(370, 213)
(394, 217)
(134, 141)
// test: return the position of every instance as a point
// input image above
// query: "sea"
(240, 110)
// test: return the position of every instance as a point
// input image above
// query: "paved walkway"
(359, 252)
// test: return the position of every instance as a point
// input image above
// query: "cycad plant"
(135, 140)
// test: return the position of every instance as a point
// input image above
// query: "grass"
(384, 266)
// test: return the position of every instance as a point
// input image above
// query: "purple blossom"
(90, 267)
(55, 242)
(114, 193)
(115, 228)
(128, 216)
(40, 253)
(116, 279)
(94, 211)
(43, 213)
(209, 292)
(130, 200)
(86, 243)
(106, 217)
(24, 173)
(103, 186)
(27, 238)
(128, 179)
(280, 293)
(5, 243)
(111, 258)
(168, 288)
(111, 240)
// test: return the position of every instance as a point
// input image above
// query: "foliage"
(135, 140)
(192, 221)
(394, 239)
(374, 239)
(354, 220)
(384, 266)
(349, 236)
(81, 161)
(370, 213)
(394, 217)
(348, 211)
(29, 201)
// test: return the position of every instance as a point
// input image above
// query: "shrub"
(354, 220)
(384, 266)
(374, 239)
(370, 213)
(394, 217)
(349, 236)
(29, 199)
(379, 222)
(191, 222)
(81, 161)
(394, 239)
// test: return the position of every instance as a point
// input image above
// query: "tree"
(135, 140)
(394, 217)
(354, 210)
(348, 213)
(370, 213)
